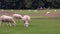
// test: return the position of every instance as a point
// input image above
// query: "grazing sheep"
(47, 12)
(9, 19)
(26, 19)
(17, 16)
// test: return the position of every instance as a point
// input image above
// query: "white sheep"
(47, 12)
(9, 19)
(17, 16)
(26, 19)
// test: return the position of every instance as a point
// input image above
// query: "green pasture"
(37, 26)
(33, 11)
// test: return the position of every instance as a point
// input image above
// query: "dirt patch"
(10, 13)
(53, 14)
(50, 14)
(6, 13)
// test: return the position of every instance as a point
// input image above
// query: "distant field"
(39, 24)
(33, 11)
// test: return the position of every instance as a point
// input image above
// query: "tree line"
(29, 4)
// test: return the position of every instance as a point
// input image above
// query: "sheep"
(9, 19)
(47, 12)
(17, 16)
(26, 19)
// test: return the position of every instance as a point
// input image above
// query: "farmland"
(40, 23)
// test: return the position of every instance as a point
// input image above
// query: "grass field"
(32, 11)
(37, 26)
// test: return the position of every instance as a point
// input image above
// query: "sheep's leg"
(24, 23)
(9, 23)
(1, 22)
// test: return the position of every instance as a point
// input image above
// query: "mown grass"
(37, 26)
